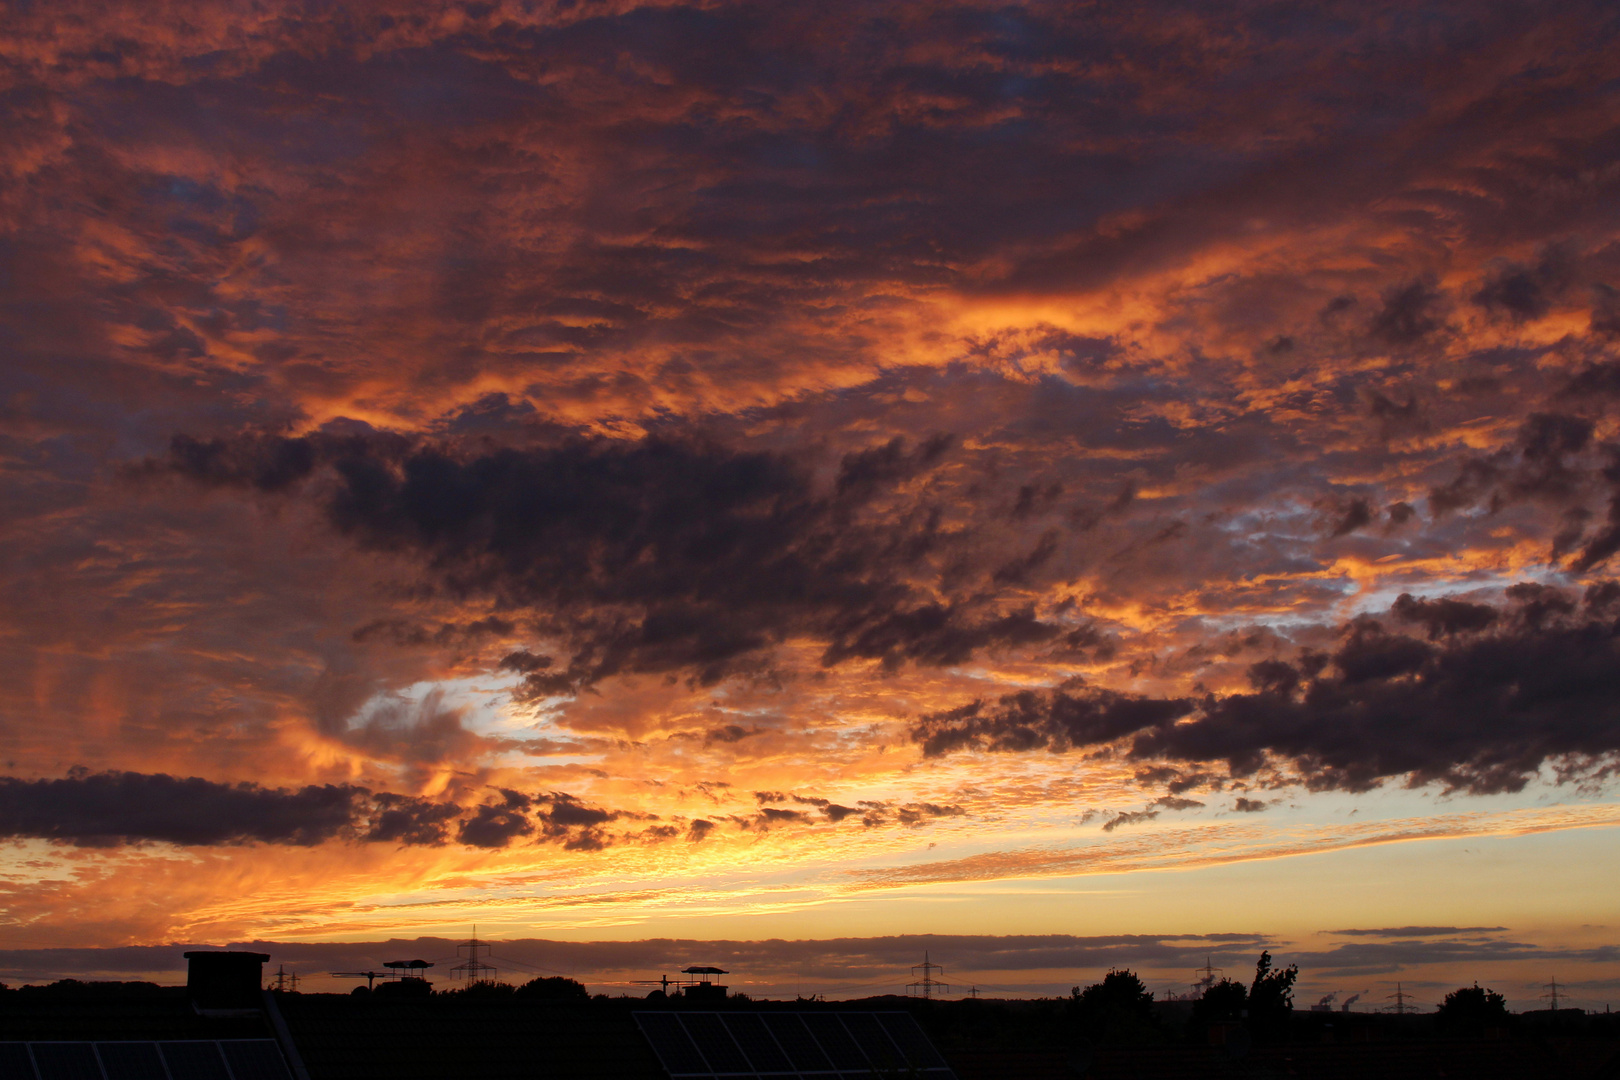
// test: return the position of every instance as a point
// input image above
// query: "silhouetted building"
(225, 979)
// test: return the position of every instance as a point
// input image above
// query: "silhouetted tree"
(1117, 1010)
(485, 988)
(1224, 1000)
(1470, 1010)
(1271, 996)
(553, 988)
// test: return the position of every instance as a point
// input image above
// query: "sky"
(1057, 486)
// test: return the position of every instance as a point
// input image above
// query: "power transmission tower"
(1400, 996)
(1552, 995)
(927, 986)
(474, 969)
(973, 991)
(285, 980)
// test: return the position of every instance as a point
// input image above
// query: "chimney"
(225, 981)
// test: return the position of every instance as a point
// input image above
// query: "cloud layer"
(654, 442)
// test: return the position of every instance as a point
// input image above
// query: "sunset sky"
(1060, 485)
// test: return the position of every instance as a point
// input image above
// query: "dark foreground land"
(499, 1036)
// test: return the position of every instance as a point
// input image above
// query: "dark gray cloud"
(1523, 291)
(659, 555)
(1482, 701)
(1030, 720)
(1410, 312)
(105, 809)
(117, 808)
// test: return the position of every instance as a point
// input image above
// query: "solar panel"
(903, 1029)
(715, 1043)
(131, 1061)
(254, 1059)
(66, 1061)
(835, 1041)
(671, 1043)
(793, 1037)
(194, 1061)
(878, 1047)
(15, 1064)
(763, 1053)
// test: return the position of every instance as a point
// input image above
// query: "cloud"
(1410, 313)
(1417, 931)
(497, 823)
(106, 809)
(458, 359)
(112, 809)
(653, 556)
(1028, 720)
(1129, 818)
(1380, 957)
(1485, 700)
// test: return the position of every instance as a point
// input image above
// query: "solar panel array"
(789, 1045)
(189, 1059)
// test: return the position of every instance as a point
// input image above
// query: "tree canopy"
(1117, 1010)
(1472, 1009)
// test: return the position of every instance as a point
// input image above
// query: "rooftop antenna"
(927, 986)
(1400, 996)
(474, 969)
(285, 980)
